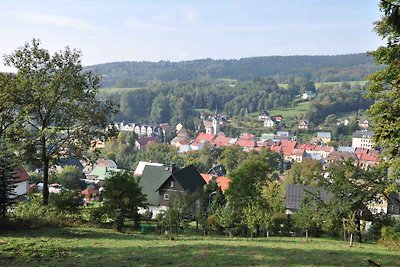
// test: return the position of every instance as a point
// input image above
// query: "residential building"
(362, 139)
(268, 122)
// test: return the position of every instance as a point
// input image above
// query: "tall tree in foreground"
(57, 103)
(385, 84)
(122, 197)
(7, 168)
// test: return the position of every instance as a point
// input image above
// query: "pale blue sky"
(152, 30)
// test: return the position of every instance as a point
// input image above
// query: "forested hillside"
(352, 67)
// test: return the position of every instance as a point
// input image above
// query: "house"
(221, 140)
(101, 173)
(142, 142)
(89, 194)
(142, 164)
(363, 124)
(267, 136)
(268, 122)
(284, 134)
(386, 204)
(122, 127)
(179, 141)
(208, 126)
(278, 118)
(70, 161)
(362, 139)
(295, 194)
(106, 163)
(222, 181)
(178, 127)
(206, 137)
(308, 95)
(193, 146)
(246, 144)
(182, 133)
(324, 137)
(218, 170)
(247, 136)
(21, 182)
(263, 115)
(297, 154)
(341, 156)
(162, 184)
(303, 125)
(147, 130)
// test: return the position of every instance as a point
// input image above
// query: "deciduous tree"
(57, 103)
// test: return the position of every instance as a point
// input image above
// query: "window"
(172, 184)
(166, 197)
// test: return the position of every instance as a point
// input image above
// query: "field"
(298, 111)
(104, 247)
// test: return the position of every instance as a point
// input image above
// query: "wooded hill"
(351, 67)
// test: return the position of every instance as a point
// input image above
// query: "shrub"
(67, 201)
(33, 214)
(390, 238)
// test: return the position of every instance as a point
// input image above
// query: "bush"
(380, 221)
(390, 238)
(68, 201)
(33, 214)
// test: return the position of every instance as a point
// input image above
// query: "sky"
(154, 30)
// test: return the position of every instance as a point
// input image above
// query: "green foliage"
(122, 197)
(7, 170)
(57, 103)
(390, 238)
(385, 84)
(337, 98)
(122, 150)
(307, 172)
(352, 67)
(33, 214)
(67, 201)
(70, 178)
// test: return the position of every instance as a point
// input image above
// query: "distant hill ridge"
(334, 68)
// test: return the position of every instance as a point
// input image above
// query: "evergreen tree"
(7, 170)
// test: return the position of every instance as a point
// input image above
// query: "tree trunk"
(267, 233)
(351, 240)
(306, 235)
(359, 230)
(45, 162)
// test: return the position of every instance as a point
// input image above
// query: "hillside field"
(105, 247)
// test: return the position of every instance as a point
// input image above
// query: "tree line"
(351, 67)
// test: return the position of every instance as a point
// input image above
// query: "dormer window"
(172, 184)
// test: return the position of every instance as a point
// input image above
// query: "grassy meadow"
(104, 247)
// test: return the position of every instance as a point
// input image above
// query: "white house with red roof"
(206, 137)
(21, 179)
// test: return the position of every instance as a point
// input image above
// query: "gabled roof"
(222, 181)
(295, 193)
(189, 178)
(143, 141)
(218, 170)
(152, 178)
(21, 175)
(142, 164)
(71, 161)
(103, 172)
(363, 134)
(337, 155)
(323, 134)
(247, 136)
(298, 152)
(206, 137)
(324, 148)
(246, 143)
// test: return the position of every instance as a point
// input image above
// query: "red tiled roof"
(276, 149)
(288, 143)
(221, 141)
(287, 151)
(147, 140)
(206, 137)
(298, 152)
(324, 148)
(306, 146)
(21, 176)
(246, 143)
(89, 191)
(247, 136)
(368, 157)
(222, 181)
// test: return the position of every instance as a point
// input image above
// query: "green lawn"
(103, 247)
(298, 111)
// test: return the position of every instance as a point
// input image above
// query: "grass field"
(298, 111)
(317, 85)
(103, 247)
